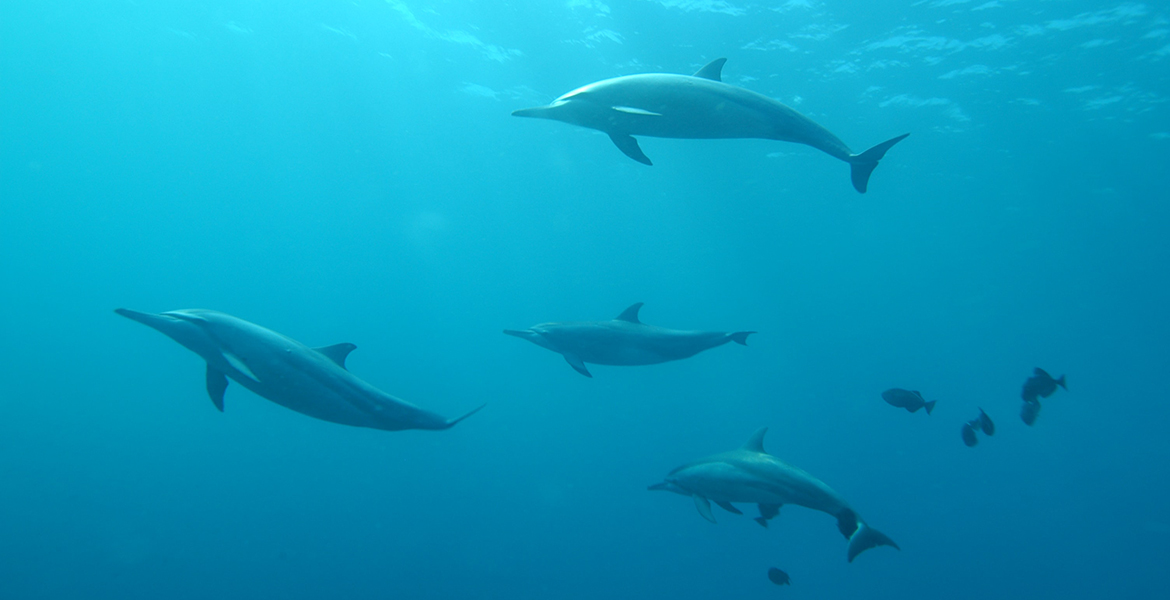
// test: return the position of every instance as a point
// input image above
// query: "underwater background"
(350, 172)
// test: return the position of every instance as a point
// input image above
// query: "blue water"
(350, 172)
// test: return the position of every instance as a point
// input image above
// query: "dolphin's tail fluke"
(453, 422)
(862, 165)
(929, 406)
(1061, 383)
(740, 337)
(866, 537)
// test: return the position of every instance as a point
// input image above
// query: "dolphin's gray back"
(619, 342)
(299, 378)
(741, 476)
(694, 107)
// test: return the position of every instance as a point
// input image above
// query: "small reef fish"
(1041, 385)
(907, 399)
(1029, 411)
(981, 423)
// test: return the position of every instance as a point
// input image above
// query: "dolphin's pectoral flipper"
(704, 507)
(867, 537)
(630, 315)
(712, 70)
(337, 352)
(729, 507)
(577, 364)
(629, 146)
(862, 165)
(216, 384)
(767, 513)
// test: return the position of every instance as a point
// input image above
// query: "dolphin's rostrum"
(623, 341)
(311, 381)
(753, 476)
(698, 106)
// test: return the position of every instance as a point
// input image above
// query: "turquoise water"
(350, 172)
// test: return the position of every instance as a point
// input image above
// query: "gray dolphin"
(623, 341)
(751, 475)
(311, 381)
(698, 106)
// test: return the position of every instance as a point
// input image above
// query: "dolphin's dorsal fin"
(756, 442)
(630, 315)
(216, 384)
(336, 352)
(713, 70)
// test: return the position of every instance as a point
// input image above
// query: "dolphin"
(751, 475)
(311, 381)
(698, 106)
(623, 341)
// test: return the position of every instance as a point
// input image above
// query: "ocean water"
(350, 172)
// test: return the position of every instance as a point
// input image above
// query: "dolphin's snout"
(524, 333)
(538, 112)
(133, 315)
(660, 486)
(160, 320)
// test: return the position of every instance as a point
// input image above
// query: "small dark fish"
(778, 577)
(1041, 385)
(907, 399)
(969, 435)
(1029, 412)
(985, 423)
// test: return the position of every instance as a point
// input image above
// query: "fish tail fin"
(1061, 383)
(453, 422)
(866, 537)
(862, 165)
(930, 406)
(740, 337)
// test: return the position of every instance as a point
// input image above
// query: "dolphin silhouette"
(698, 106)
(311, 381)
(751, 475)
(623, 341)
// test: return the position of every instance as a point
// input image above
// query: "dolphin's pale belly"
(629, 345)
(680, 106)
(313, 382)
(772, 484)
(296, 391)
(306, 384)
